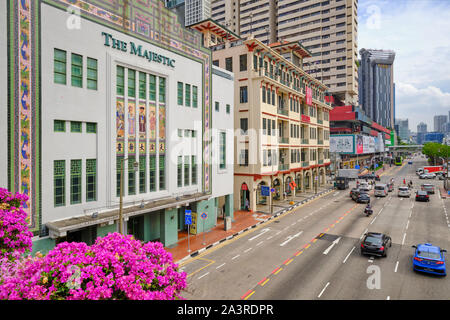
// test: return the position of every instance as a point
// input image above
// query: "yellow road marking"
(299, 253)
(196, 271)
(278, 271)
(267, 280)
(289, 261)
(249, 295)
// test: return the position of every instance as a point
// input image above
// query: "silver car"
(404, 192)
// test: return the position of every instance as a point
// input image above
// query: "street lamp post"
(135, 167)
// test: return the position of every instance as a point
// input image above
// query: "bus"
(398, 161)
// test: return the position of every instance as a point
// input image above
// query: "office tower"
(193, 10)
(327, 28)
(421, 127)
(403, 128)
(439, 122)
(376, 85)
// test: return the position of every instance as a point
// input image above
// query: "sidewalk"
(443, 192)
(243, 221)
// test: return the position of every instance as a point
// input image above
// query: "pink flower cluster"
(15, 238)
(114, 267)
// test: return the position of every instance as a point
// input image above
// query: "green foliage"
(434, 151)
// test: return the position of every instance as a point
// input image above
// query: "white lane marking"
(323, 290)
(269, 237)
(404, 236)
(396, 266)
(365, 231)
(407, 225)
(348, 255)
(260, 234)
(203, 276)
(335, 242)
(260, 243)
(247, 250)
(278, 233)
(373, 220)
(220, 265)
(235, 257)
(380, 210)
(289, 238)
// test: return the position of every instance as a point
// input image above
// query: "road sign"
(187, 217)
(204, 215)
(265, 191)
(272, 190)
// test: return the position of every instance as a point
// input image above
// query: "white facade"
(3, 97)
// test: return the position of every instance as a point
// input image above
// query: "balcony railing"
(305, 163)
(305, 141)
(320, 161)
(319, 121)
(284, 112)
(283, 167)
(283, 140)
(319, 141)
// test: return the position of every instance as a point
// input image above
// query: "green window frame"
(59, 182)
(120, 81)
(228, 108)
(180, 93)
(131, 176)
(162, 171)
(217, 106)
(75, 181)
(118, 175)
(91, 127)
(162, 90)
(77, 70)
(194, 170)
(59, 126)
(75, 126)
(131, 83)
(152, 173)
(187, 171)
(194, 97)
(92, 73)
(142, 174)
(91, 180)
(152, 87)
(222, 148)
(59, 66)
(180, 172)
(142, 85)
(187, 96)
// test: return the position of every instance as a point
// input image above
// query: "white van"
(381, 190)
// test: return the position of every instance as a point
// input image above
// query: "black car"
(354, 193)
(422, 196)
(375, 244)
(429, 188)
(363, 198)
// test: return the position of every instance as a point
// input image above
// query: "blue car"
(429, 259)
(409, 162)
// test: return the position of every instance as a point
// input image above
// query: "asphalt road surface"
(313, 252)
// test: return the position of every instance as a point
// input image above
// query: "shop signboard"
(342, 143)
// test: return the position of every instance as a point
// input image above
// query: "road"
(313, 252)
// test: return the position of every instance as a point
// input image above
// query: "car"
(422, 196)
(429, 188)
(404, 192)
(363, 198)
(409, 162)
(381, 190)
(364, 186)
(430, 175)
(430, 259)
(354, 193)
(375, 244)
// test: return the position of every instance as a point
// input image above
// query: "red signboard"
(308, 96)
(306, 118)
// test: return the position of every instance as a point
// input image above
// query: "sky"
(419, 33)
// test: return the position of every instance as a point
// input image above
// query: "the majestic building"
(327, 28)
(99, 99)
(281, 116)
(376, 85)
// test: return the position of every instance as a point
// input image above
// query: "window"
(59, 126)
(91, 180)
(217, 106)
(229, 64)
(243, 95)
(222, 148)
(264, 94)
(152, 88)
(91, 127)
(194, 170)
(118, 175)
(120, 81)
(265, 126)
(188, 95)
(244, 125)
(162, 170)
(59, 182)
(142, 86)
(77, 70)
(180, 133)
(75, 181)
(187, 165)
(59, 66)
(131, 83)
(216, 63)
(142, 174)
(152, 166)
(243, 158)
(243, 62)
(228, 108)
(75, 126)
(180, 172)
(92, 73)
(131, 176)
(180, 93)
(194, 96)
(162, 90)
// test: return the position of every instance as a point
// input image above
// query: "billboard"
(368, 144)
(308, 96)
(359, 144)
(342, 143)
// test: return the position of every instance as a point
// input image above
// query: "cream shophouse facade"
(87, 86)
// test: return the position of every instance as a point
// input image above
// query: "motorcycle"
(368, 211)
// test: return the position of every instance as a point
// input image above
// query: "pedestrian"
(247, 204)
(404, 181)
